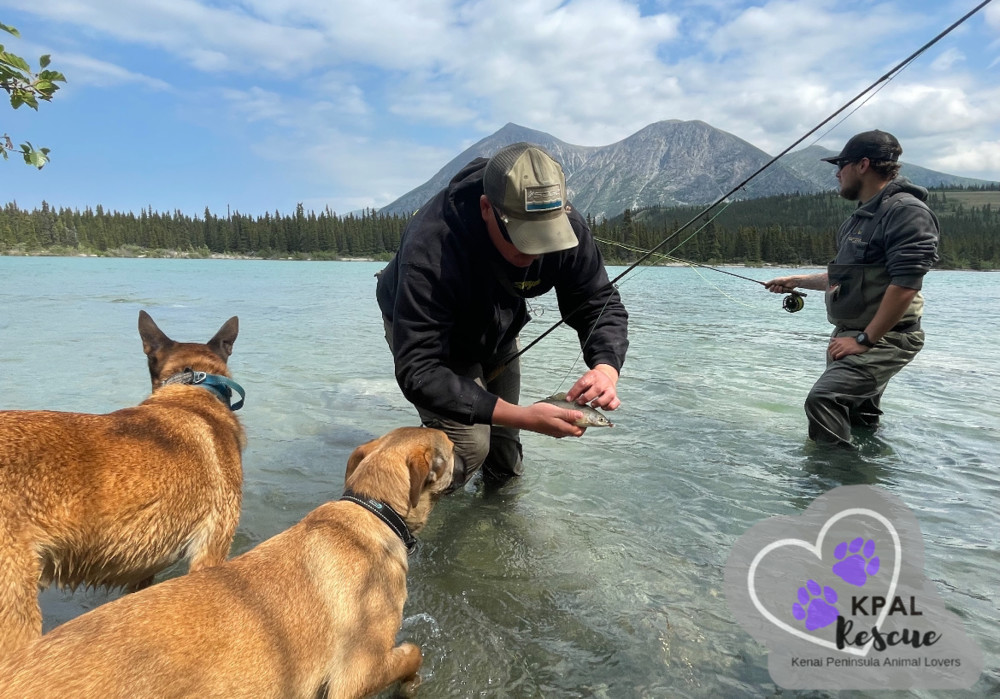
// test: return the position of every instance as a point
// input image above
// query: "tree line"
(788, 230)
(793, 230)
(302, 235)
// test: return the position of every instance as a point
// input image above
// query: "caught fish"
(591, 417)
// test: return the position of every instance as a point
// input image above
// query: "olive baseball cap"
(874, 145)
(528, 189)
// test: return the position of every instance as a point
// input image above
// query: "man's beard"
(851, 191)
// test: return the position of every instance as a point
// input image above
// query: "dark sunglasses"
(501, 225)
(844, 162)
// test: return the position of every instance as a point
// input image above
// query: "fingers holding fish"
(555, 420)
(596, 388)
(580, 415)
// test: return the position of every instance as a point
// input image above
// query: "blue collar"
(386, 514)
(221, 386)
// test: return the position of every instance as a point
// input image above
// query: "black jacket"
(453, 300)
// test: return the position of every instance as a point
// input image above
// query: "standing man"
(453, 303)
(872, 287)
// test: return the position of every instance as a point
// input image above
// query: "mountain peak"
(667, 163)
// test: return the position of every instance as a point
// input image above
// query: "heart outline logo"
(817, 550)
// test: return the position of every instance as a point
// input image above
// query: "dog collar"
(221, 386)
(386, 514)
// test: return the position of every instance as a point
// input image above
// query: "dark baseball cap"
(874, 145)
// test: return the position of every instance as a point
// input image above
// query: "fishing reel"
(794, 302)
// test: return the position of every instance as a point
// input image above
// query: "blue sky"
(257, 105)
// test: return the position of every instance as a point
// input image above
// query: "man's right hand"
(781, 285)
(785, 285)
(543, 418)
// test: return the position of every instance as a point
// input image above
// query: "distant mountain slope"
(674, 163)
(808, 164)
(571, 157)
(669, 163)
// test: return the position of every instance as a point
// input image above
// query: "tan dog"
(312, 612)
(110, 500)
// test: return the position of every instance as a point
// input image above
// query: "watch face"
(862, 339)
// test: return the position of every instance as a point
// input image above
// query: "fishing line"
(888, 76)
(884, 78)
(792, 303)
(582, 345)
(671, 258)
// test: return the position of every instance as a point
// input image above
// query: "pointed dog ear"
(153, 339)
(223, 340)
(357, 456)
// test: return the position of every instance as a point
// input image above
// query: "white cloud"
(992, 14)
(85, 71)
(209, 37)
(947, 60)
(971, 158)
(375, 98)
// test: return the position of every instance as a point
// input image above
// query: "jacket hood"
(470, 176)
(901, 184)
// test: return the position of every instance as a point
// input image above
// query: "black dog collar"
(386, 514)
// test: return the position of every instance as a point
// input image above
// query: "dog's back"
(226, 631)
(110, 500)
(313, 611)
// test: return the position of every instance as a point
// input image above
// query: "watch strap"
(863, 339)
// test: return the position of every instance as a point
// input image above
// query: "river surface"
(599, 573)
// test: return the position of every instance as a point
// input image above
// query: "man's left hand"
(841, 347)
(598, 388)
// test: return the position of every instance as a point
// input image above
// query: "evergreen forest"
(788, 230)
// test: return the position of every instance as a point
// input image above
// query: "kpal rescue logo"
(838, 595)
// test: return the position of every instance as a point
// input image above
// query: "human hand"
(552, 420)
(598, 387)
(841, 347)
(781, 285)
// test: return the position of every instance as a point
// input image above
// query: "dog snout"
(460, 474)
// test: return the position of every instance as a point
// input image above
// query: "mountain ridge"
(666, 163)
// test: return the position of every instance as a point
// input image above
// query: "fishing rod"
(888, 76)
(793, 301)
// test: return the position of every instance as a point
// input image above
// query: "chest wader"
(849, 392)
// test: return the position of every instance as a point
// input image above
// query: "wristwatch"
(863, 339)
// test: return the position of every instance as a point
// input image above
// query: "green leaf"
(36, 158)
(17, 62)
(8, 75)
(53, 75)
(9, 30)
(44, 61)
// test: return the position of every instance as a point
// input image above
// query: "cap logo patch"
(543, 198)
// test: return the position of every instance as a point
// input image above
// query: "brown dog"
(110, 500)
(312, 612)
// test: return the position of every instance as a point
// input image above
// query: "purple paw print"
(855, 565)
(815, 610)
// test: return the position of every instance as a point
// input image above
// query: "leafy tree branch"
(26, 87)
